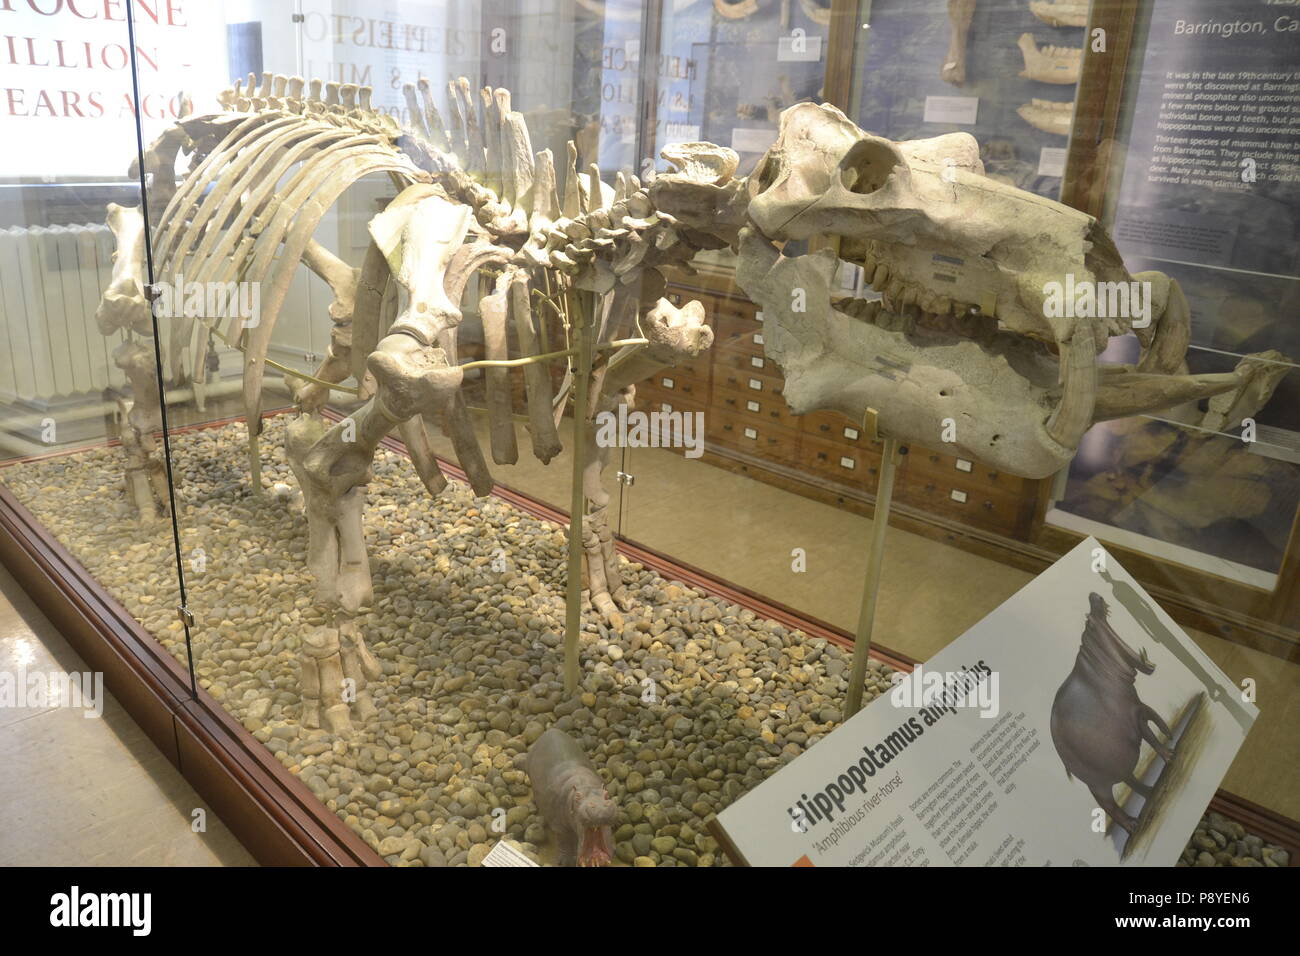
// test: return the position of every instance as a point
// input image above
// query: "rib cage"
(266, 170)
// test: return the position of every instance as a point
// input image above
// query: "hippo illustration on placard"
(1098, 721)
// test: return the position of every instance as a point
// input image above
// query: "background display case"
(132, 505)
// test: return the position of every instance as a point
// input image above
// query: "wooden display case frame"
(282, 822)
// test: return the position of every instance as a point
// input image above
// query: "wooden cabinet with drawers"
(743, 335)
(747, 423)
(746, 435)
(851, 464)
(675, 384)
(765, 407)
(748, 365)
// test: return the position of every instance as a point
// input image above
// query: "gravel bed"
(692, 705)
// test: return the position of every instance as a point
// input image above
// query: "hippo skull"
(959, 347)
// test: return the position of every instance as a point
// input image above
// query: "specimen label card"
(924, 776)
(506, 853)
(1051, 161)
(960, 110)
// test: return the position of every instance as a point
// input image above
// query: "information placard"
(1037, 738)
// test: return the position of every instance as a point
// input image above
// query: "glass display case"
(439, 405)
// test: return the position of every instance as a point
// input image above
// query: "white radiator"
(53, 356)
(51, 352)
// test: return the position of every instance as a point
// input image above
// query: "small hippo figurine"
(1098, 723)
(572, 798)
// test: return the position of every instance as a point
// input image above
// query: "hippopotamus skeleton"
(1098, 722)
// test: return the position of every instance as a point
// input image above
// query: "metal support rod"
(871, 584)
(582, 330)
(546, 356)
(254, 462)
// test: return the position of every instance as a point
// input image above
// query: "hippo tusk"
(1073, 415)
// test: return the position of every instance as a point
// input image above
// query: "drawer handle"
(988, 506)
(929, 487)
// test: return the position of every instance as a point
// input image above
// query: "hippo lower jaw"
(597, 847)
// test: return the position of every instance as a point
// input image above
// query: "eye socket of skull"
(868, 164)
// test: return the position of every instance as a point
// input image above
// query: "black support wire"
(183, 610)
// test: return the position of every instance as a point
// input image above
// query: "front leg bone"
(322, 682)
(359, 667)
(604, 578)
(331, 465)
(596, 542)
(674, 334)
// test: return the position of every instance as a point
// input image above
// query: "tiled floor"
(87, 791)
